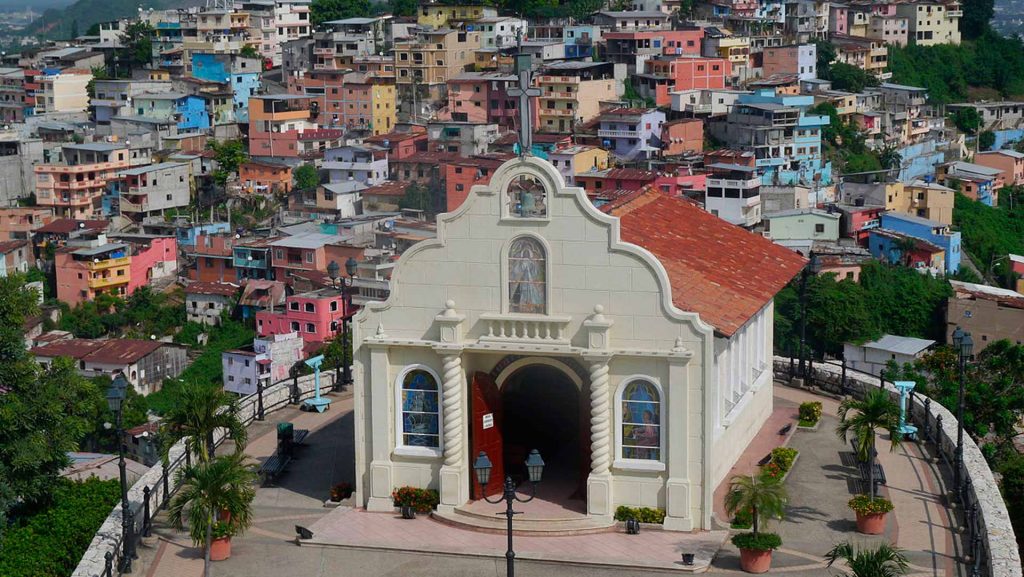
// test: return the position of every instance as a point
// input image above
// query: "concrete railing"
(153, 490)
(988, 538)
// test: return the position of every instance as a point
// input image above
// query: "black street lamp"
(964, 345)
(809, 269)
(534, 469)
(333, 272)
(115, 399)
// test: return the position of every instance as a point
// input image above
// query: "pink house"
(152, 258)
(837, 19)
(680, 184)
(1010, 162)
(315, 315)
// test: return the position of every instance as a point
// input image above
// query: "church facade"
(630, 345)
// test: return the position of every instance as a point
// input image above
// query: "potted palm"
(884, 560)
(864, 418)
(765, 498)
(215, 501)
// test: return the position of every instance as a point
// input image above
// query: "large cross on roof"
(524, 91)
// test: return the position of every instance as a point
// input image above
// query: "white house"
(631, 347)
(872, 357)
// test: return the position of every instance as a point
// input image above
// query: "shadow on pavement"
(326, 458)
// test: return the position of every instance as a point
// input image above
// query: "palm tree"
(205, 490)
(765, 497)
(201, 410)
(890, 157)
(905, 246)
(882, 561)
(875, 412)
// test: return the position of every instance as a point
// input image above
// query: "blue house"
(186, 235)
(242, 75)
(187, 111)
(579, 40)
(927, 230)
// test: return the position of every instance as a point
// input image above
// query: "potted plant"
(412, 500)
(864, 418)
(870, 513)
(884, 560)
(341, 491)
(215, 500)
(765, 498)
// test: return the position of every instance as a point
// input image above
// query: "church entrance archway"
(543, 409)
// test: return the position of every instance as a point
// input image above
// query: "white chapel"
(631, 345)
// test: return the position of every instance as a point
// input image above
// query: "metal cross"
(524, 91)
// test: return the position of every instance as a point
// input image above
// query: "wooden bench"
(879, 474)
(272, 467)
(299, 436)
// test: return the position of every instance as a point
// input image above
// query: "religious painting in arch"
(420, 410)
(527, 282)
(641, 421)
(527, 197)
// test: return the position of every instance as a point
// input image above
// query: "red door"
(485, 435)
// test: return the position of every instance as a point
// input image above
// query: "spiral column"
(600, 418)
(451, 402)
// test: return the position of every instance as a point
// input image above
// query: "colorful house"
(631, 133)
(186, 111)
(1010, 163)
(315, 315)
(931, 231)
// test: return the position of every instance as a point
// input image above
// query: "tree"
(986, 140)
(228, 155)
(876, 412)
(882, 560)
(199, 412)
(403, 7)
(850, 78)
(890, 158)
(904, 248)
(976, 18)
(138, 44)
(967, 120)
(326, 10)
(208, 489)
(417, 197)
(249, 51)
(306, 177)
(98, 73)
(44, 413)
(764, 496)
(826, 54)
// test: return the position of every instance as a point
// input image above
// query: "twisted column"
(600, 418)
(451, 402)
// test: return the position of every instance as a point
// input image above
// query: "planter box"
(800, 427)
(791, 467)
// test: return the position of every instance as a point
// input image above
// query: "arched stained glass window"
(527, 281)
(527, 197)
(420, 410)
(641, 421)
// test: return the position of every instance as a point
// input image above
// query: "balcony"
(79, 184)
(556, 112)
(529, 328)
(324, 51)
(618, 134)
(558, 80)
(698, 108)
(954, 14)
(84, 167)
(559, 95)
(108, 281)
(733, 183)
(110, 263)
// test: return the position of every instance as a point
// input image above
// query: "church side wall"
(743, 391)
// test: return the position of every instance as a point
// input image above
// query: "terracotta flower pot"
(755, 560)
(220, 549)
(871, 523)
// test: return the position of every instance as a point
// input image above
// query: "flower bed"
(810, 415)
(641, 514)
(422, 500)
(782, 462)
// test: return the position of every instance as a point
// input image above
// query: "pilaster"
(679, 490)
(599, 483)
(454, 481)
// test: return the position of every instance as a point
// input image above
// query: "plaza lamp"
(116, 394)
(964, 345)
(333, 272)
(534, 469)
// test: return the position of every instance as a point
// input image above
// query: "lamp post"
(534, 469)
(964, 345)
(809, 269)
(333, 272)
(115, 399)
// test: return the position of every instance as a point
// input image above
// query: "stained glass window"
(420, 413)
(527, 197)
(641, 421)
(526, 274)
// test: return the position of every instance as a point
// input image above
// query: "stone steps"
(522, 525)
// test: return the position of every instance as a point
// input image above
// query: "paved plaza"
(352, 542)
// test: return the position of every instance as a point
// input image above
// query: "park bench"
(273, 466)
(300, 436)
(863, 467)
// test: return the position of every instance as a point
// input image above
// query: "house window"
(334, 306)
(293, 306)
(310, 307)
(819, 228)
(310, 328)
(309, 256)
(638, 408)
(419, 424)
(527, 266)
(295, 327)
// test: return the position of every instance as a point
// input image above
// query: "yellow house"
(578, 159)
(920, 198)
(572, 92)
(932, 22)
(441, 14)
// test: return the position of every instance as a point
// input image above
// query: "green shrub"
(865, 505)
(784, 457)
(810, 413)
(422, 500)
(757, 541)
(641, 514)
(52, 542)
(744, 519)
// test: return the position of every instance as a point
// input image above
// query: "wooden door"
(485, 434)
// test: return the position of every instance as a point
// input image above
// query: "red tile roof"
(111, 352)
(7, 246)
(718, 270)
(225, 289)
(387, 188)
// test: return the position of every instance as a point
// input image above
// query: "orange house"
(682, 136)
(686, 72)
(265, 177)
